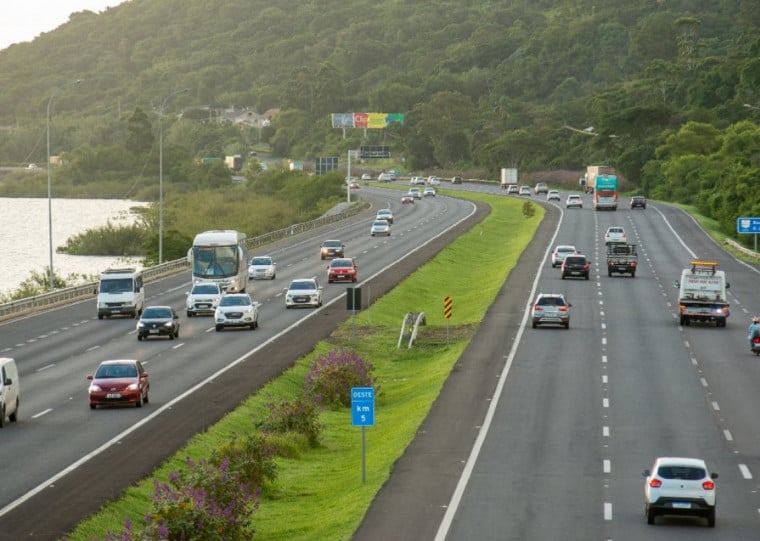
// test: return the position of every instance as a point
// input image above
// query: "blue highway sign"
(362, 406)
(748, 225)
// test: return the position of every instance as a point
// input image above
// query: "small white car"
(417, 181)
(428, 192)
(380, 227)
(553, 195)
(615, 235)
(415, 192)
(524, 190)
(574, 201)
(433, 181)
(560, 252)
(303, 292)
(262, 268)
(679, 486)
(366, 176)
(513, 189)
(236, 310)
(203, 298)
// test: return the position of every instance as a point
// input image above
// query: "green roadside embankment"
(318, 492)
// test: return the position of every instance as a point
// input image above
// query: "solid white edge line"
(168, 405)
(456, 498)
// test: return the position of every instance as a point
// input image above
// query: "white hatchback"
(615, 235)
(679, 486)
(560, 252)
(304, 292)
(262, 268)
(203, 298)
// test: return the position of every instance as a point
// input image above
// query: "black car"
(330, 249)
(638, 201)
(158, 321)
(576, 265)
(456, 180)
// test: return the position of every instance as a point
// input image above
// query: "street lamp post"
(49, 179)
(161, 173)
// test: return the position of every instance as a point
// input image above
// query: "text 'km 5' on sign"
(447, 307)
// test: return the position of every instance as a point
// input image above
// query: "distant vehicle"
(605, 192)
(366, 176)
(385, 214)
(236, 310)
(551, 309)
(574, 201)
(303, 292)
(428, 192)
(353, 185)
(553, 195)
(342, 270)
(202, 299)
(33, 167)
(638, 202)
(120, 293)
(541, 188)
(593, 171)
(10, 390)
(415, 192)
(119, 382)
(702, 294)
(380, 227)
(331, 248)
(512, 189)
(158, 321)
(615, 235)
(385, 177)
(456, 180)
(576, 266)
(417, 181)
(406, 198)
(508, 177)
(524, 190)
(262, 267)
(220, 256)
(679, 486)
(433, 181)
(560, 252)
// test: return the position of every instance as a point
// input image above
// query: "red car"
(342, 270)
(120, 382)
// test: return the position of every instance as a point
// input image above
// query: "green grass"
(319, 493)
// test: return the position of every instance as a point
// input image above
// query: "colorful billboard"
(365, 120)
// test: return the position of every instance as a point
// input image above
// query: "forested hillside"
(483, 84)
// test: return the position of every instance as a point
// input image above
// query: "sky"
(24, 20)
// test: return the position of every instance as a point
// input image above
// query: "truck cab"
(702, 294)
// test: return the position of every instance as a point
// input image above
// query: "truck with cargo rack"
(702, 294)
(622, 259)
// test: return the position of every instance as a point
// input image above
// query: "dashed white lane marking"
(727, 435)
(43, 412)
(715, 406)
(607, 511)
(606, 431)
(606, 465)
(745, 471)
(605, 402)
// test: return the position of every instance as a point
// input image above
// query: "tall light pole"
(161, 173)
(49, 179)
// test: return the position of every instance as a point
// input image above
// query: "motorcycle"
(755, 348)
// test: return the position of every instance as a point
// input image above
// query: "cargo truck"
(622, 259)
(593, 171)
(508, 176)
(702, 294)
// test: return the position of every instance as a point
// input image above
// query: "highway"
(558, 425)
(61, 458)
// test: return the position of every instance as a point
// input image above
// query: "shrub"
(332, 376)
(251, 458)
(300, 414)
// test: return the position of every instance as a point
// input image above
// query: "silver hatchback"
(551, 309)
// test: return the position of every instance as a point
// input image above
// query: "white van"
(120, 293)
(10, 394)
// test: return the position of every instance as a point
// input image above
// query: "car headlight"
(140, 325)
(95, 388)
(169, 324)
(132, 387)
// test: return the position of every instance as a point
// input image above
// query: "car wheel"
(13, 417)
(139, 337)
(139, 402)
(100, 316)
(535, 324)
(189, 313)
(567, 324)
(145, 398)
(609, 273)
(2, 416)
(273, 277)
(587, 277)
(92, 406)
(563, 276)
(171, 335)
(711, 518)
(256, 322)
(219, 328)
(176, 333)
(650, 516)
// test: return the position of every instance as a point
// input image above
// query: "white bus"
(220, 256)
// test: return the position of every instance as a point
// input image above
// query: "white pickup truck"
(702, 294)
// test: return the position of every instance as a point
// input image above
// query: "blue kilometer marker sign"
(748, 225)
(362, 406)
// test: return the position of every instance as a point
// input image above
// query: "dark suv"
(331, 248)
(576, 265)
(638, 201)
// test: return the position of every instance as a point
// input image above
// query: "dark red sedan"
(342, 270)
(119, 382)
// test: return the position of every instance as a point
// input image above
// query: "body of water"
(24, 237)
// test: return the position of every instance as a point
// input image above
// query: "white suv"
(680, 486)
(203, 298)
(615, 235)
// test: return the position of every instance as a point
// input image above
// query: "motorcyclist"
(754, 330)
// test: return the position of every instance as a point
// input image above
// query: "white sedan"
(236, 310)
(262, 268)
(303, 292)
(380, 227)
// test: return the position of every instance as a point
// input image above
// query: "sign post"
(363, 415)
(448, 304)
(748, 225)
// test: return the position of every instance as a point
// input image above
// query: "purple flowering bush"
(251, 458)
(299, 414)
(332, 376)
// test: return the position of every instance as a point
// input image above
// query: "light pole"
(49, 179)
(161, 173)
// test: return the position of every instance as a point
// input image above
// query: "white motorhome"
(10, 393)
(120, 293)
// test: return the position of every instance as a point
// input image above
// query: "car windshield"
(302, 285)
(157, 313)
(615, 230)
(116, 371)
(687, 473)
(261, 261)
(380, 223)
(205, 289)
(235, 300)
(341, 263)
(570, 260)
(331, 244)
(565, 248)
(551, 301)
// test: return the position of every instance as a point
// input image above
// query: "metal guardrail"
(742, 249)
(82, 291)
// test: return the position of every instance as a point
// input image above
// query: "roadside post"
(448, 304)
(363, 415)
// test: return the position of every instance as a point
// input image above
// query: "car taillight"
(634, 264)
(708, 485)
(563, 308)
(537, 308)
(655, 483)
(587, 265)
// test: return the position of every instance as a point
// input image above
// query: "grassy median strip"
(318, 493)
